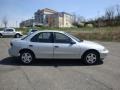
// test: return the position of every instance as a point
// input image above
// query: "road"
(60, 74)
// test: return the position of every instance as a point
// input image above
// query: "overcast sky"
(18, 10)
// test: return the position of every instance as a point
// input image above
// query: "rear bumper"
(13, 53)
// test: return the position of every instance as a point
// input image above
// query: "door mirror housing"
(72, 42)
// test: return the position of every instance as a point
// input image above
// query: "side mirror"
(72, 42)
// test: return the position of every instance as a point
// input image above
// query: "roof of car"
(9, 28)
(51, 31)
(33, 29)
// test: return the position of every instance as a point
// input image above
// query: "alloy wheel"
(26, 58)
(91, 58)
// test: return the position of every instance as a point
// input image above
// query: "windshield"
(25, 36)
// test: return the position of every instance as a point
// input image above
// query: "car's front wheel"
(26, 57)
(91, 58)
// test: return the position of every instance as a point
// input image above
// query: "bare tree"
(80, 19)
(118, 10)
(117, 17)
(109, 13)
(5, 21)
(110, 16)
(74, 17)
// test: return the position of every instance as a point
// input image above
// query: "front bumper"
(103, 54)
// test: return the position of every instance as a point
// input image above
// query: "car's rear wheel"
(26, 57)
(17, 36)
(1, 35)
(91, 58)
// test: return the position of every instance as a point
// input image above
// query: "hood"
(19, 32)
(92, 45)
(1, 31)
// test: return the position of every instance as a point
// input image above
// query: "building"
(51, 18)
(60, 19)
(67, 19)
(41, 16)
(27, 23)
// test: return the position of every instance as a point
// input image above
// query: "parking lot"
(60, 74)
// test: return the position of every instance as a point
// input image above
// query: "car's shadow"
(44, 62)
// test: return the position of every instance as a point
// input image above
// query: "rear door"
(42, 45)
(9, 32)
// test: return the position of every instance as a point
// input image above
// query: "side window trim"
(54, 35)
(9, 30)
(51, 37)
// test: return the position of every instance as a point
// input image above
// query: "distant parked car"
(10, 32)
(32, 31)
(56, 45)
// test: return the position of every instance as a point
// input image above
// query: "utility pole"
(1, 25)
(98, 15)
(16, 23)
(32, 22)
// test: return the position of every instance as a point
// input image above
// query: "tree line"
(111, 17)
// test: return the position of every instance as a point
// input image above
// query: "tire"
(91, 58)
(17, 36)
(1, 35)
(26, 57)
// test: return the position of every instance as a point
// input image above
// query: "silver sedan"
(56, 45)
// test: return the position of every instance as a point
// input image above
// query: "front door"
(63, 48)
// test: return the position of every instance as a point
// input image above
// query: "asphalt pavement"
(59, 74)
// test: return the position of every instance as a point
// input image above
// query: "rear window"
(44, 37)
(34, 30)
(10, 30)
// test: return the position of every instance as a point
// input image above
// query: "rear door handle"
(56, 46)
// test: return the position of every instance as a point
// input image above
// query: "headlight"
(104, 49)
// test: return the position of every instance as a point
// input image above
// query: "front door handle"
(30, 45)
(56, 46)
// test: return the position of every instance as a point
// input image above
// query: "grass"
(101, 34)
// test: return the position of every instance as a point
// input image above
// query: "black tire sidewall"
(22, 60)
(85, 55)
(1, 35)
(18, 35)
